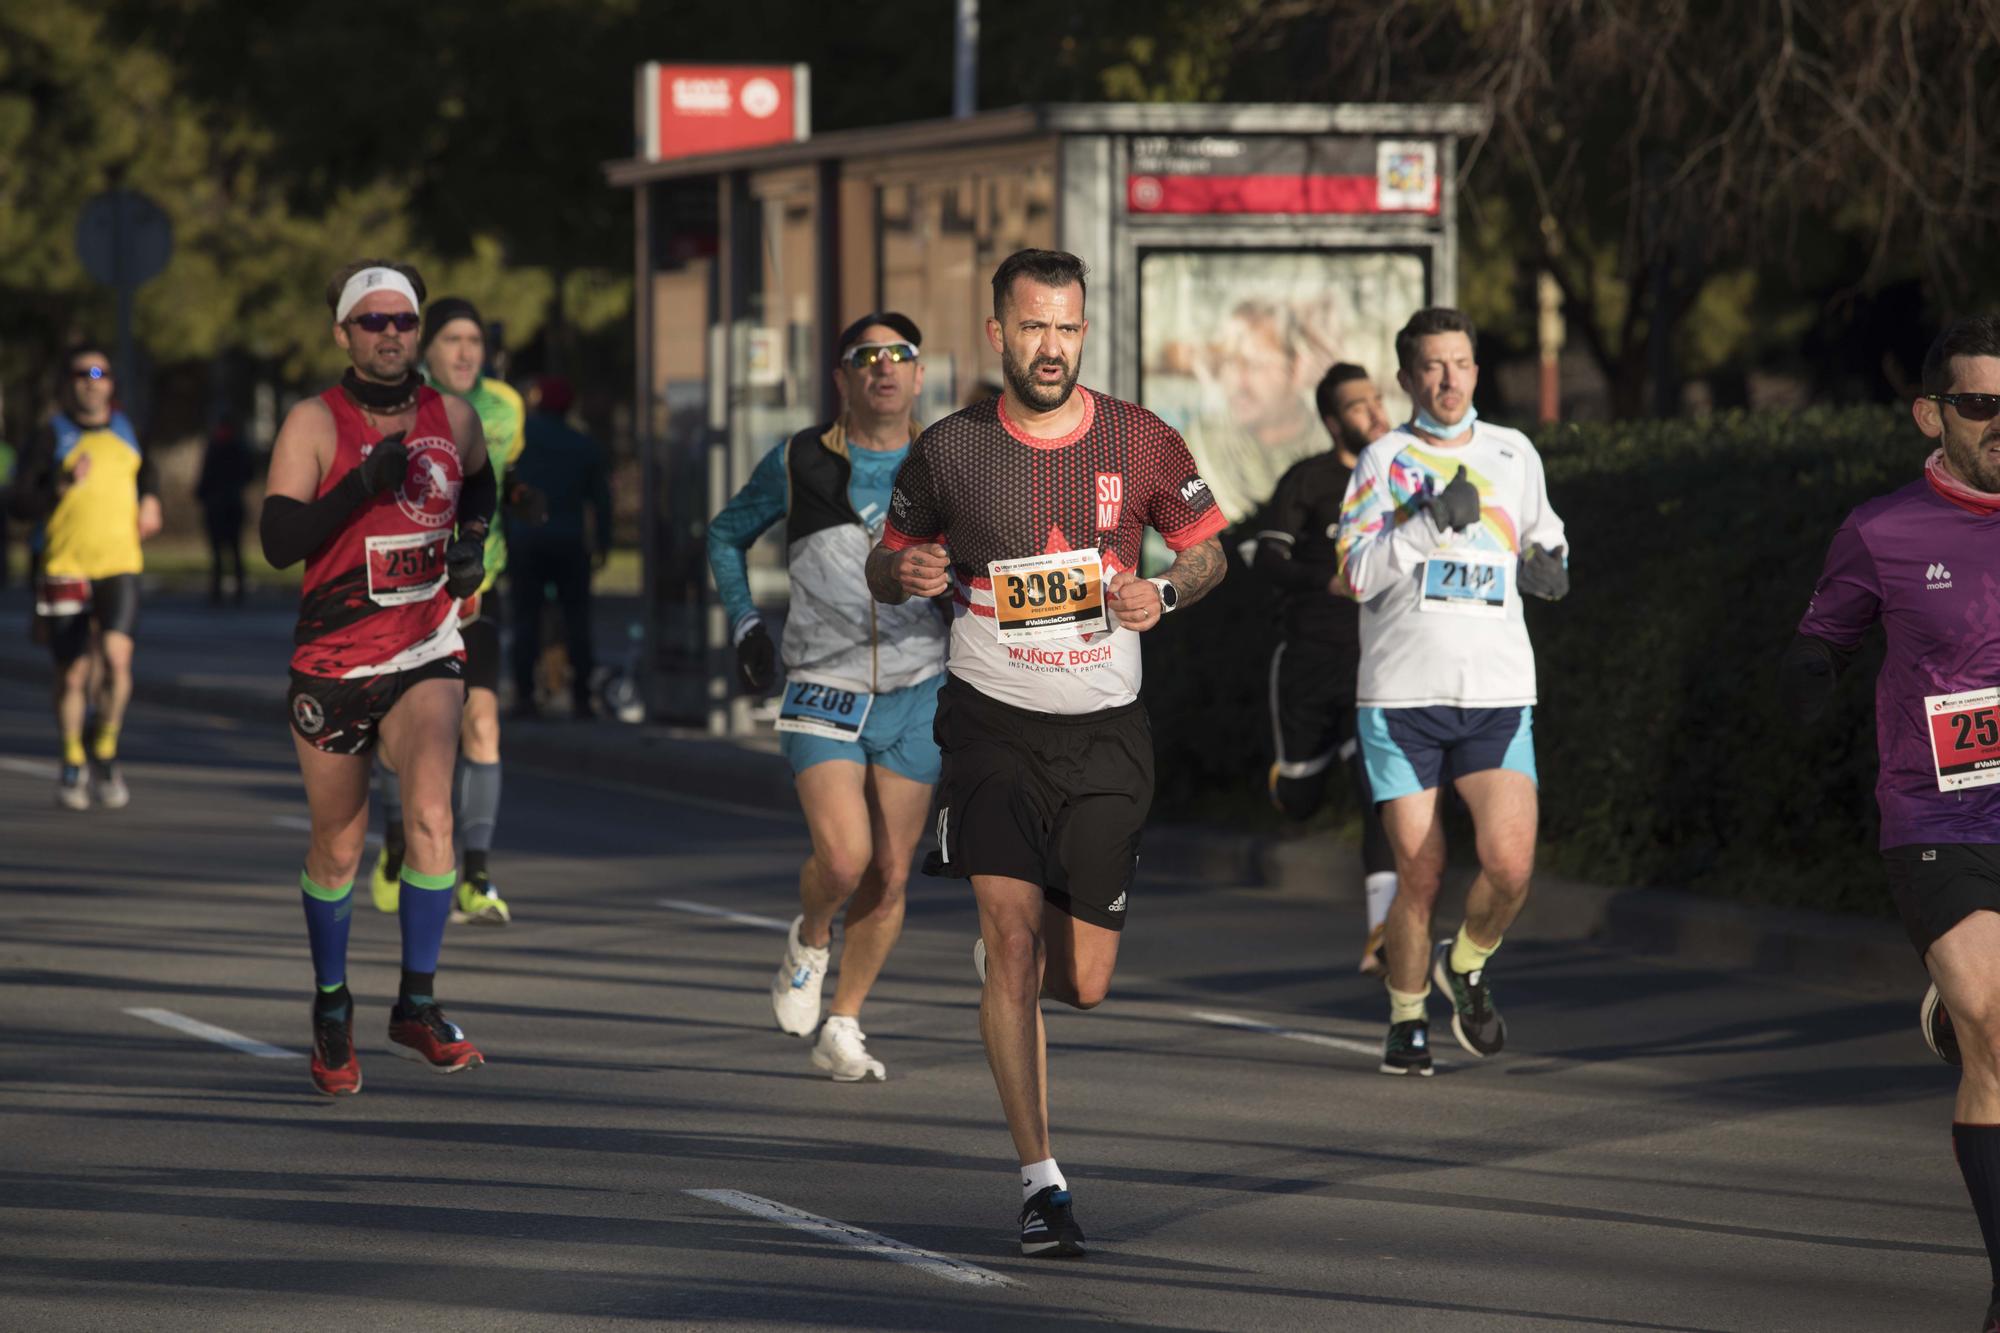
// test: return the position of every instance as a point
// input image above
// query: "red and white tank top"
(374, 599)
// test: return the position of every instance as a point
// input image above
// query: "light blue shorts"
(1409, 750)
(897, 736)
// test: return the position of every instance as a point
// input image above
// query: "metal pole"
(121, 279)
(965, 75)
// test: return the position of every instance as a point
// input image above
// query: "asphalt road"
(1660, 1148)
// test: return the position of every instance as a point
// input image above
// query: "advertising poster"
(1232, 344)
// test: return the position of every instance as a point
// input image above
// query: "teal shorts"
(897, 736)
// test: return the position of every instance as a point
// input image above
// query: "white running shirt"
(1441, 614)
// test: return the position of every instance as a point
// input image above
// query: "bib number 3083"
(1965, 738)
(812, 709)
(1045, 596)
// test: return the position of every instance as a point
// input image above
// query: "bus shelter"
(1236, 251)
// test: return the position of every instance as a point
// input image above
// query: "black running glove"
(465, 566)
(385, 465)
(756, 659)
(1807, 674)
(1544, 575)
(1456, 507)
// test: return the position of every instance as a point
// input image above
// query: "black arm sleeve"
(33, 496)
(1274, 562)
(477, 498)
(291, 530)
(1807, 673)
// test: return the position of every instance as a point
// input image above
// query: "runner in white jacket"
(1446, 524)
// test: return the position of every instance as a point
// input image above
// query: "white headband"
(372, 280)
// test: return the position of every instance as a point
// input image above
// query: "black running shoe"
(1935, 1022)
(1048, 1228)
(1992, 1323)
(1474, 1021)
(1408, 1050)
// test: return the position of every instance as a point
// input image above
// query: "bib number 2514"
(1965, 738)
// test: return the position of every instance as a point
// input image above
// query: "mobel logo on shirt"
(1939, 577)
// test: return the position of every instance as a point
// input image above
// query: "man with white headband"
(381, 485)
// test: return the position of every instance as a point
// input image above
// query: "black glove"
(385, 465)
(527, 505)
(756, 659)
(1456, 506)
(465, 566)
(1544, 575)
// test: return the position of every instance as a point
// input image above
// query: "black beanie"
(442, 312)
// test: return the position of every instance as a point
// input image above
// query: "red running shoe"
(424, 1033)
(336, 1070)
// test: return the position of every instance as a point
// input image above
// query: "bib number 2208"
(812, 709)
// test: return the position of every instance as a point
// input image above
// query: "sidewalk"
(232, 662)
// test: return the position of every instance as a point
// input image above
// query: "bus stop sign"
(123, 238)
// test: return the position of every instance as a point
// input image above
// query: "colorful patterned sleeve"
(1381, 536)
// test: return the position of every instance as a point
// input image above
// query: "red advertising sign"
(685, 110)
(1278, 174)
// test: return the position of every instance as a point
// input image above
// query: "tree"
(1645, 154)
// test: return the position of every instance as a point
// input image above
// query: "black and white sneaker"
(1935, 1022)
(1474, 1021)
(1048, 1228)
(1408, 1049)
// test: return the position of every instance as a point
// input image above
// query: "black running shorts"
(482, 646)
(1938, 885)
(1053, 799)
(345, 716)
(113, 608)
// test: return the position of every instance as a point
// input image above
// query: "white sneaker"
(795, 990)
(979, 958)
(842, 1052)
(112, 793)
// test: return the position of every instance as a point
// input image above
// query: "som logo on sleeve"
(1110, 500)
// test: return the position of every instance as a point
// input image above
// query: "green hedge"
(1665, 757)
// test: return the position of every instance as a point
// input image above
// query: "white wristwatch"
(1170, 596)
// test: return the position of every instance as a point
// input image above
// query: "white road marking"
(1292, 1034)
(869, 1242)
(724, 914)
(299, 822)
(34, 768)
(194, 1027)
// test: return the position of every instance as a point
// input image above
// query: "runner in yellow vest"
(88, 483)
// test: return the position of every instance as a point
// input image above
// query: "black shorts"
(1052, 799)
(1936, 886)
(482, 645)
(344, 716)
(1312, 710)
(113, 608)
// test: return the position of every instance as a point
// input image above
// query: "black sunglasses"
(1971, 406)
(90, 373)
(376, 322)
(864, 355)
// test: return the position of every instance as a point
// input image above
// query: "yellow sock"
(105, 747)
(1467, 956)
(1404, 1006)
(72, 749)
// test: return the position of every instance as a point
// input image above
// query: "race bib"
(1043, 596)
(1467, 583)
(1965, 738)
(824, 710)
(405, 568)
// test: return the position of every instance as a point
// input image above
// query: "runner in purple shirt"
(1921, 560)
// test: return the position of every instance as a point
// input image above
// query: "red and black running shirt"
(1037, 633)
(374, 599)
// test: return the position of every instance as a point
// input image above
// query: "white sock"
(1038, 1176)
(1381, 890)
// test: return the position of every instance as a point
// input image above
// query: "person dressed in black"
(1313, 668)
(226, 470)
(565, 467)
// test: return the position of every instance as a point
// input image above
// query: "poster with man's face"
(1232, 345)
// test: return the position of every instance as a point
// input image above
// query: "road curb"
(1816, 947)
